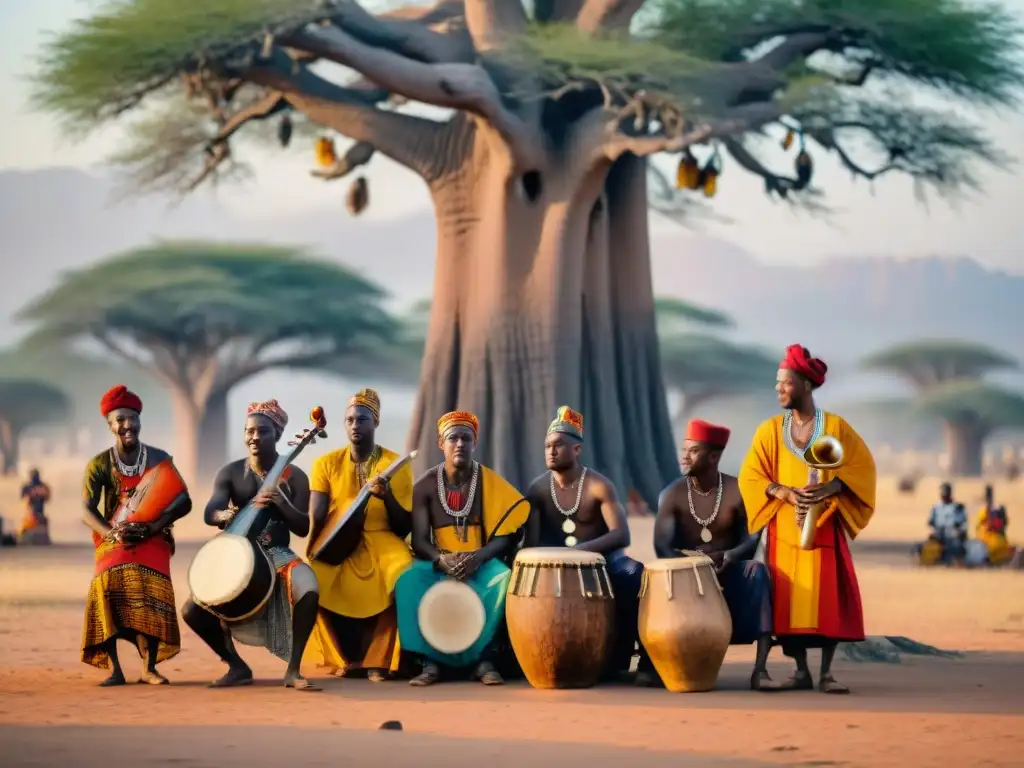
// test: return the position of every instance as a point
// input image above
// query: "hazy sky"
(883, 221)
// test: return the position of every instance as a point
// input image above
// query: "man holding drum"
(703, 511)
(464, 518)
(816, 598)
(131, 596)
(358, 625)
(574, 506)
(284, 624)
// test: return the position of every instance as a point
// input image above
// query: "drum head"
(558, 556)
(221, 569)
(451, 616)
(678, 563)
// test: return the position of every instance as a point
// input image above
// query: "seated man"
(573, 506)
(464, 517)
(704, 511)
(948, 523)
(991, 530)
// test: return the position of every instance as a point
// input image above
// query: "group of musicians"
(465, 522)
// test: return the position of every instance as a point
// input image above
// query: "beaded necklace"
(787, 432)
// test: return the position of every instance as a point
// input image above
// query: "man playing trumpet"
(816, 599)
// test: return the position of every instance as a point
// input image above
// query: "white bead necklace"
(460, 515)
(569, 525)
(133, 470)
(705, 534)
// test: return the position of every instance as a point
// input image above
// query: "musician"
(990, 529)
(703, 511)
(357, 625)
(464, 520)
(572, 505)
(284, 624)
(131, 596)
(816, 599)
(948, 523)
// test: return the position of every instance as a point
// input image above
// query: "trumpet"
(822, 456)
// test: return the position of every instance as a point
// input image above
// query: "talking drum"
(684, 623)
(231, 577)
(451, 617)
(560, 611)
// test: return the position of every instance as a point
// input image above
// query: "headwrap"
(368, 399)
(120, 397)
(706, 432)
(568, 422)
(458, 419)
(799, 360)
(272, 410)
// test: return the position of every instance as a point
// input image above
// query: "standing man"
(358, 625)
(35, 528)
(816, 598)
(574, 506)
(464, 520)
(948, 524)
(703, 511)
(284, 624)
(131, 596)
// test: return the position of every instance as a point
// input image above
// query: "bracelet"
(771, 490)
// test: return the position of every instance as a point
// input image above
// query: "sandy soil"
(922, 712)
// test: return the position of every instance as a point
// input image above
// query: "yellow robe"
(999, 549)
(499, 497)
(363, 586)
(815, 591)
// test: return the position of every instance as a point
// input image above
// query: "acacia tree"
(947, 376)
(542, 291)
(25, 403)
(203, 317)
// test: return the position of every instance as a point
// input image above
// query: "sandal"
(431, 674)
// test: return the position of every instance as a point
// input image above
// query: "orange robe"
(815, 592)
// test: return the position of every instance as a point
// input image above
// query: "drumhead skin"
(558, 556)
(678, 563)
(220, 569)
(451, 616)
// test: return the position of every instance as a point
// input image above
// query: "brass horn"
(823, 455)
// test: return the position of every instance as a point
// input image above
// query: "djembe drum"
(560, 612)
(684, 622)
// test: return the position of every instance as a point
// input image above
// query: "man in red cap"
(703, 511)
(815, 598)
(131, 596)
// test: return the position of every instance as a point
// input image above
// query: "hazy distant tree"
(947, 377)
(203, 317)
(25, 403)
(542, 290)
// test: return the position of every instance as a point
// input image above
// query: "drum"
(684, 623)
(159, 488)
(451, 616)
(560, 612)
(231, 577)
(930, 552)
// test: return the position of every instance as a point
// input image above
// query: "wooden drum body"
(684, 623)
(231, 577)
(560, 611)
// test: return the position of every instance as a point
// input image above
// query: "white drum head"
(451, 616)
(221, 569)
(558, 556)
(678, 563)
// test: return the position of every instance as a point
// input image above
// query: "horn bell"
(825, 453)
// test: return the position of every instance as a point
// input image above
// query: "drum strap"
(503, 519)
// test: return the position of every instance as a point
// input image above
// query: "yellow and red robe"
(815, 592)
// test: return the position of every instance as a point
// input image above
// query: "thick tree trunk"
(964, 442)
(9, 440)
(213, 436)
(187, 419)
(542, 297)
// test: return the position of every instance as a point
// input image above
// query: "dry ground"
(922, 712)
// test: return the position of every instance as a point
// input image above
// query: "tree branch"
(492, 23)
(457, 86)
(607, 15)
(406, 36)
(358, 154)
(794, 48)
(773, 182)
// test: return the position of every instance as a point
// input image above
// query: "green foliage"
(697, 364)
(24, 402)
(674, 314)
(250, 306)
(972, 402)
(932, 361)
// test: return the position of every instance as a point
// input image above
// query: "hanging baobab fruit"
(804, 169)
(710, 173)
(688, 173)
(284, 131)
(325, 154)
(787, 142)
(358, 196)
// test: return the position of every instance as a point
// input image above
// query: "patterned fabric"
(271, 628)
(568, 422)
(272, 410)
(458, 419)
(368, 399)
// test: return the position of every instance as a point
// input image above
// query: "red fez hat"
(120, 397)
(705, 432)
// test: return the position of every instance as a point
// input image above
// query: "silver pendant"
(569, 526)
(705, 535)
(571, 541)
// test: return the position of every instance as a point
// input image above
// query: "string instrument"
(232, 576)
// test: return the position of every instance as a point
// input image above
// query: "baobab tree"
(203, 317)
(23, 404)
(542, 290)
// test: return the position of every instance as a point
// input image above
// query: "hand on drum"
(466, 567)
(447, 562)
(379, 487)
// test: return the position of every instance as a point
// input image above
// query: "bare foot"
(234, 678)
(431, 674)
(152, 677)
(799, 681)
(829, 684)
(116, 678)
(488, 675)
(376, 675)
(297, 682)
